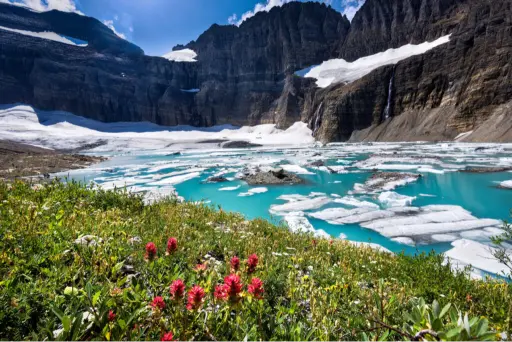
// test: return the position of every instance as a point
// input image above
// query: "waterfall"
(316, 120)
(388, 110)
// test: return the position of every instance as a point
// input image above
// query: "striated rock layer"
(245, 75)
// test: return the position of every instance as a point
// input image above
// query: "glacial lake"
(444, 205)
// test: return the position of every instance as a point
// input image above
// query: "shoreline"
(24, 161)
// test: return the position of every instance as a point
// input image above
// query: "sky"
(158, 25)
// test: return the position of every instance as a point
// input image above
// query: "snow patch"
(47, 35)
(340, 71)
(184, 55)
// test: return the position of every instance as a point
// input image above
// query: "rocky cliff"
(459, 87)
(245, 75)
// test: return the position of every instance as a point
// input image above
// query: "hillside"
(87, 264)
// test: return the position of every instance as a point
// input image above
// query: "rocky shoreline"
(22, 161)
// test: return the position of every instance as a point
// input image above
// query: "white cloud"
(350, 7)
(46, 5)
(232, 19)
(260, 7)
(110, 25)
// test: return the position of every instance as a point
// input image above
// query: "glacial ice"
(506, 184)
(392, 199)
(253, 191)
(336, 71)
(298, 223)
(301, 205)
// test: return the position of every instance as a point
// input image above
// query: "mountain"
(246, 75)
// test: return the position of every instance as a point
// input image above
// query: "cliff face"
(245, 74)
(240, 72)
(458, 87)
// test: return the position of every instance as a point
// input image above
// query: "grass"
(53, 287)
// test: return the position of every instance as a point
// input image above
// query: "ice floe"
(392, 199)
(297, 222)
(300, 205)
(340, 71)
(296, 169)
(506, 184)
(229, 188)
(253, 191)
(477, 255)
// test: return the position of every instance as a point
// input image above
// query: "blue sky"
(158, 25)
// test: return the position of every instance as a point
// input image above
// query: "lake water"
(443, 205)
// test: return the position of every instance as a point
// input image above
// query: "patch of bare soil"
(21, 161)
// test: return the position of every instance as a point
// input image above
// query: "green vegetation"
(75, 263)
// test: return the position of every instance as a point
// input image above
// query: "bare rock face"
(276, 176)
(245, 75)
(241, 71)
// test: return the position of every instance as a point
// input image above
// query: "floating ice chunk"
(342, 236)
(308, 204)
(298, 223)
(352, 201)
(405, 210)
(184, 55)
(427, 195)
(444, 237)
(293, 198)
(430, 170)
(404, 240)
(371, 245)
(177, 179)
(392, 199)
(296, 169)
(253, 191)
(506, 184)
(365, 217)
(46, 35)
(229, 188)
(478, 255)
(332, 215)
(340, 71)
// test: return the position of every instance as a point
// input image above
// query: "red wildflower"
(256, 288)
(331, 242)
(252, 262)
(150, 251)
(232, 287)
(200, 268)
(158, 302)
(111, 316)
(177, 289)
(172, 245)
(195, 298)
(235, 264)
(168, 337)
(314, 243)
(220, 292)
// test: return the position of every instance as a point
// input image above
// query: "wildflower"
(235, 263)
(158, 302)
(167, 337)
(220, 292)
(195, 298)
(116, 291)
(252, 262)
(111, 316)
(331, 242)
(232, 287)
(200, 268)
(150, 251)
(469, 298)
(172, 245)
(177, 289)
(256, 288)
(314, 242)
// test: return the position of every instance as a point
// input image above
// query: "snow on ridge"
(340, 71)
(184, 55)
(46, 35)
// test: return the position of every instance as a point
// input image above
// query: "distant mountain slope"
(245, 75)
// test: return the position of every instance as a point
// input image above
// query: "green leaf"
(436, 309)
(384, 336)
(66, 323)
(95, 298)
(452, 333)
(122, 324)
(58, 313)
(482, 327)
(445, 310)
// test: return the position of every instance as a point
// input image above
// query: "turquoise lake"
(443, 183)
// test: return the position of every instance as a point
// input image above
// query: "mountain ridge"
(245, 74)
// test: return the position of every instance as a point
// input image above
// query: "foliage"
(76, 263)
(502, 253)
